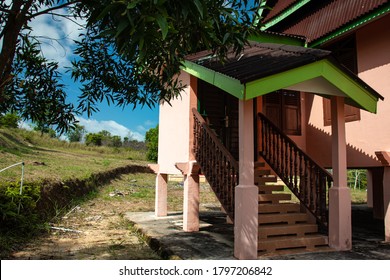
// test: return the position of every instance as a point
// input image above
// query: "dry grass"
(47, 158)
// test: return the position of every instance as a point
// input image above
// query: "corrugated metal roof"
(279, 7)
(327, 16)
(259, 60)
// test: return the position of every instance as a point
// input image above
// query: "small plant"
(18, 211)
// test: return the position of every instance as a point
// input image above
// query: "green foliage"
(18, 211)
(151, 140)
(93, 139)
(76, 133)
(9, 120)
(36, 93)
(145, 44)
(357, 179)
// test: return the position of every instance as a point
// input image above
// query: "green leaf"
(199, 7)
(162, 22)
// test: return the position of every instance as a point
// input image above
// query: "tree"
(151, 140)
(9, 120)
(29, 84)
(76, 134)
(130, 52)
(133, 50)
(93, 139)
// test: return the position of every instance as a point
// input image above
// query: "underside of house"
(274, 118)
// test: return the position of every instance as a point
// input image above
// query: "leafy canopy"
(129, 54)
(133, 50)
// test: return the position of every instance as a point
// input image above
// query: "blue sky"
(57, 44)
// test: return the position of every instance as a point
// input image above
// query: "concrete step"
(298, 230)
(282, 243)
(287, 218)
(279, 208)
(274, 198)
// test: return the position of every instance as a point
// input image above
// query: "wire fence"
(21, 179)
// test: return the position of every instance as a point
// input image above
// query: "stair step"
(289, 218)
(271, 188)
(266, 179)
(299, 230)
(262, 172)
(259, 164)
(281, 243)
(274, 198)
(279, 208)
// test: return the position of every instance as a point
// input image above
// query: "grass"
(47, 158)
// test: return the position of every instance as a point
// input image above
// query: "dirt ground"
(95, 229)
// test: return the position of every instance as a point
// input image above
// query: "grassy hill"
(48, 158)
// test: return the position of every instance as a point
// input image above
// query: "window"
(283, 108)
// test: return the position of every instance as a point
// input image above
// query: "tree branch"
(5, 10)
(53, 9)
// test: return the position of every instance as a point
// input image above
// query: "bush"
(18, 211)
(9, 120)
(151, 140)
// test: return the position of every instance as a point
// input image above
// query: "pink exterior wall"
(173, 138)
(372, 132)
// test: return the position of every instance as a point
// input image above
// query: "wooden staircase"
(283, 226)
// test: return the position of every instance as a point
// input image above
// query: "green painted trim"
(285, 14)
(323, 68)
(226, 83)
(282, 80)
(350, 87)
(351, 26)
(276, 39)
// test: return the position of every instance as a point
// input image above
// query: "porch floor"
(215, 238)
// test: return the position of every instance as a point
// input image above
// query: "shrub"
(18, 211)
(151, 140)
(9, 120)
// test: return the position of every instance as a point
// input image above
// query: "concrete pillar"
(161, 196)
(191, 203)
(246, 193)
(340, 221)
(370, 199)
(190, 171)
(386, 201)
(161, 199)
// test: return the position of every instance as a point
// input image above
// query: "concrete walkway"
(214, 241)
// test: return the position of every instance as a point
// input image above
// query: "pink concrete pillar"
(340, 222)
(161, 199)
(246, 193)
(370, 199)
(161, 196)
(386, 201)
(190, 171)
(191, 203)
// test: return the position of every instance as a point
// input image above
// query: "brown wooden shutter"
(283, 109)
(292, 112)
(351, 113)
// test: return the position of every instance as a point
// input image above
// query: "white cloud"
(94, 126)
(148, 124)
(57, 35)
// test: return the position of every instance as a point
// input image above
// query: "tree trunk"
(16, 19)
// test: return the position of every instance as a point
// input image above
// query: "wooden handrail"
(302, 175)
(216, 162)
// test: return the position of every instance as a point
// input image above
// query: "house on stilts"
(302, 103)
